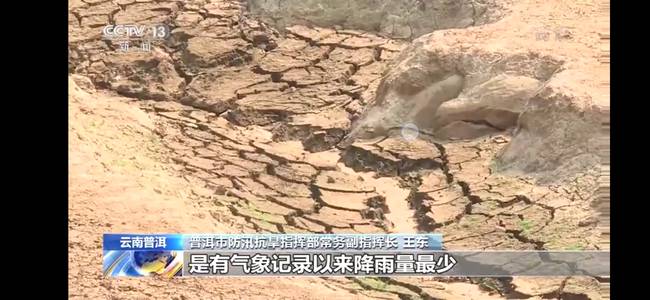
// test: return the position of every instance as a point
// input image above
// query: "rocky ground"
(233, 125)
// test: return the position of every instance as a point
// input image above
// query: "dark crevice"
(317, 197)
(77, 16)
(467, 192)
(416, 202)
(309, 41)
(445, 163)
(187, 77)
(377, 53)
(518, 234)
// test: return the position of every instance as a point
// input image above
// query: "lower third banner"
(331, 255)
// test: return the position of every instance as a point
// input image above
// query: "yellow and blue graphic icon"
(136, 255)
(136, 263)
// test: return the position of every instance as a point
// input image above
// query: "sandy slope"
(120, 182)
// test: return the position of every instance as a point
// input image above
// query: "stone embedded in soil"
(560, 134)
(498, 102)
(548, 99)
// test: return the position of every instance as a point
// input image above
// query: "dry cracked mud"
(234, 124)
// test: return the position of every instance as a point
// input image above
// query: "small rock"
(588, 222)
(563, 33)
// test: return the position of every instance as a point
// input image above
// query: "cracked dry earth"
(232, 126)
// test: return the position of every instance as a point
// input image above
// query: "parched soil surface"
(232, 126)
